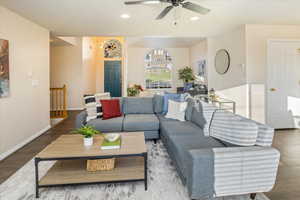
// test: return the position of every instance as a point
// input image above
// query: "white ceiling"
(102, 17)
(163, 42)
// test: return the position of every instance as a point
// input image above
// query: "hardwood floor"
(288, 179)
(15, 161)
(287, 141)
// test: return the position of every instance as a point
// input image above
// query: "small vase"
(88, 141)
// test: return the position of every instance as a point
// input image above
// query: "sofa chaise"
(216, 153)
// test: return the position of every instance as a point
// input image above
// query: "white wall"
(25, 113)
(233, 84)
(246, 85)
(256, 53)
(66, 68)
(136, 64)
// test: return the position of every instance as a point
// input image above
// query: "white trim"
(20, 145)
(249, 100)
(75, 108)
(282, 40)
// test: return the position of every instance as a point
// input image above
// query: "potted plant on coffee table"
(88, 132)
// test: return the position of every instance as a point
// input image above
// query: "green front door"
(112, 78)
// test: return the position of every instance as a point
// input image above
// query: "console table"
(221, 103)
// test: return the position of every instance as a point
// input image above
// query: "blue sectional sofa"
(139, 114)
(216, 153)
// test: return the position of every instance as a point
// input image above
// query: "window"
(158, 69)
(113, 49)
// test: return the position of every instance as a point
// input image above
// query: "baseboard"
(18, 146)
(75, 108)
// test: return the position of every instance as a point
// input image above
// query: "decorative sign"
(113, 49)
(4, 68)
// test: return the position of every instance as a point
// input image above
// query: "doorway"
(283, 84)
(112, 78)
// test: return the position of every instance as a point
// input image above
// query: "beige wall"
(136, 64)
(66, 68)
(231, 85)
(89, 63)
(25, 113)
(80, 66)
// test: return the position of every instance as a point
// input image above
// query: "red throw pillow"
(111, 108)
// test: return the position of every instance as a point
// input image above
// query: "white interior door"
(283, 84)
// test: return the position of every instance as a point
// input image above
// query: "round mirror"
(222, 61)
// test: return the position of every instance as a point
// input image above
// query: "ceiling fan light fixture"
(172, 4)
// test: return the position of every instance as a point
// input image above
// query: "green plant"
(186, 74)
(134, 90)
(86, 131)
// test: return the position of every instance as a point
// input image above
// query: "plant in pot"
(88, 132)
(134, 90)
(187, 75)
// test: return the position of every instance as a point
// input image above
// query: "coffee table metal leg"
(36, 164)
(145, 170)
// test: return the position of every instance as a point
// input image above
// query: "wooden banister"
(58, 102)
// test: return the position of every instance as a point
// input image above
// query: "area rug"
(163, 184)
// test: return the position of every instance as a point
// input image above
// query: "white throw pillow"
(176, 110)
(101, 96)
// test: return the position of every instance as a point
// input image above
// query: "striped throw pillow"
(233, 129)
(208, 111)
(93, 106)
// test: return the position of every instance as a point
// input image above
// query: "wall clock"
(222, 61)
(112, 49)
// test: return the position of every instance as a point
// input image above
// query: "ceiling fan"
(174, 3)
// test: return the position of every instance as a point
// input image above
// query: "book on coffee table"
(111, 145)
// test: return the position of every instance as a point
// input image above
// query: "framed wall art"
(4, 68)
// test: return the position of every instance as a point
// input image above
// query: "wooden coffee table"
(71, 157)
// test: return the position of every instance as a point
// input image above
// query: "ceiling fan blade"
(143, 2)
(195, 8)
(164, 12)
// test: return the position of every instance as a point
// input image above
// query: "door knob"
(273, 89)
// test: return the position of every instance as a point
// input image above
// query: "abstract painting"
(4, 68)
(201, 71)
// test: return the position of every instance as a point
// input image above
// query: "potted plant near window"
(134, 90)
(187, 75)
(88, 132)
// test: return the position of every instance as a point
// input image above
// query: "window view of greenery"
(158, 78)
(158, 69)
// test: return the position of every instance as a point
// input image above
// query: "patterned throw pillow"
(93, 105)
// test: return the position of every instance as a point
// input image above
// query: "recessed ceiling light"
(195, 18)
(125, 16)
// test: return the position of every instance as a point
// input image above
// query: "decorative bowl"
(111, 137)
